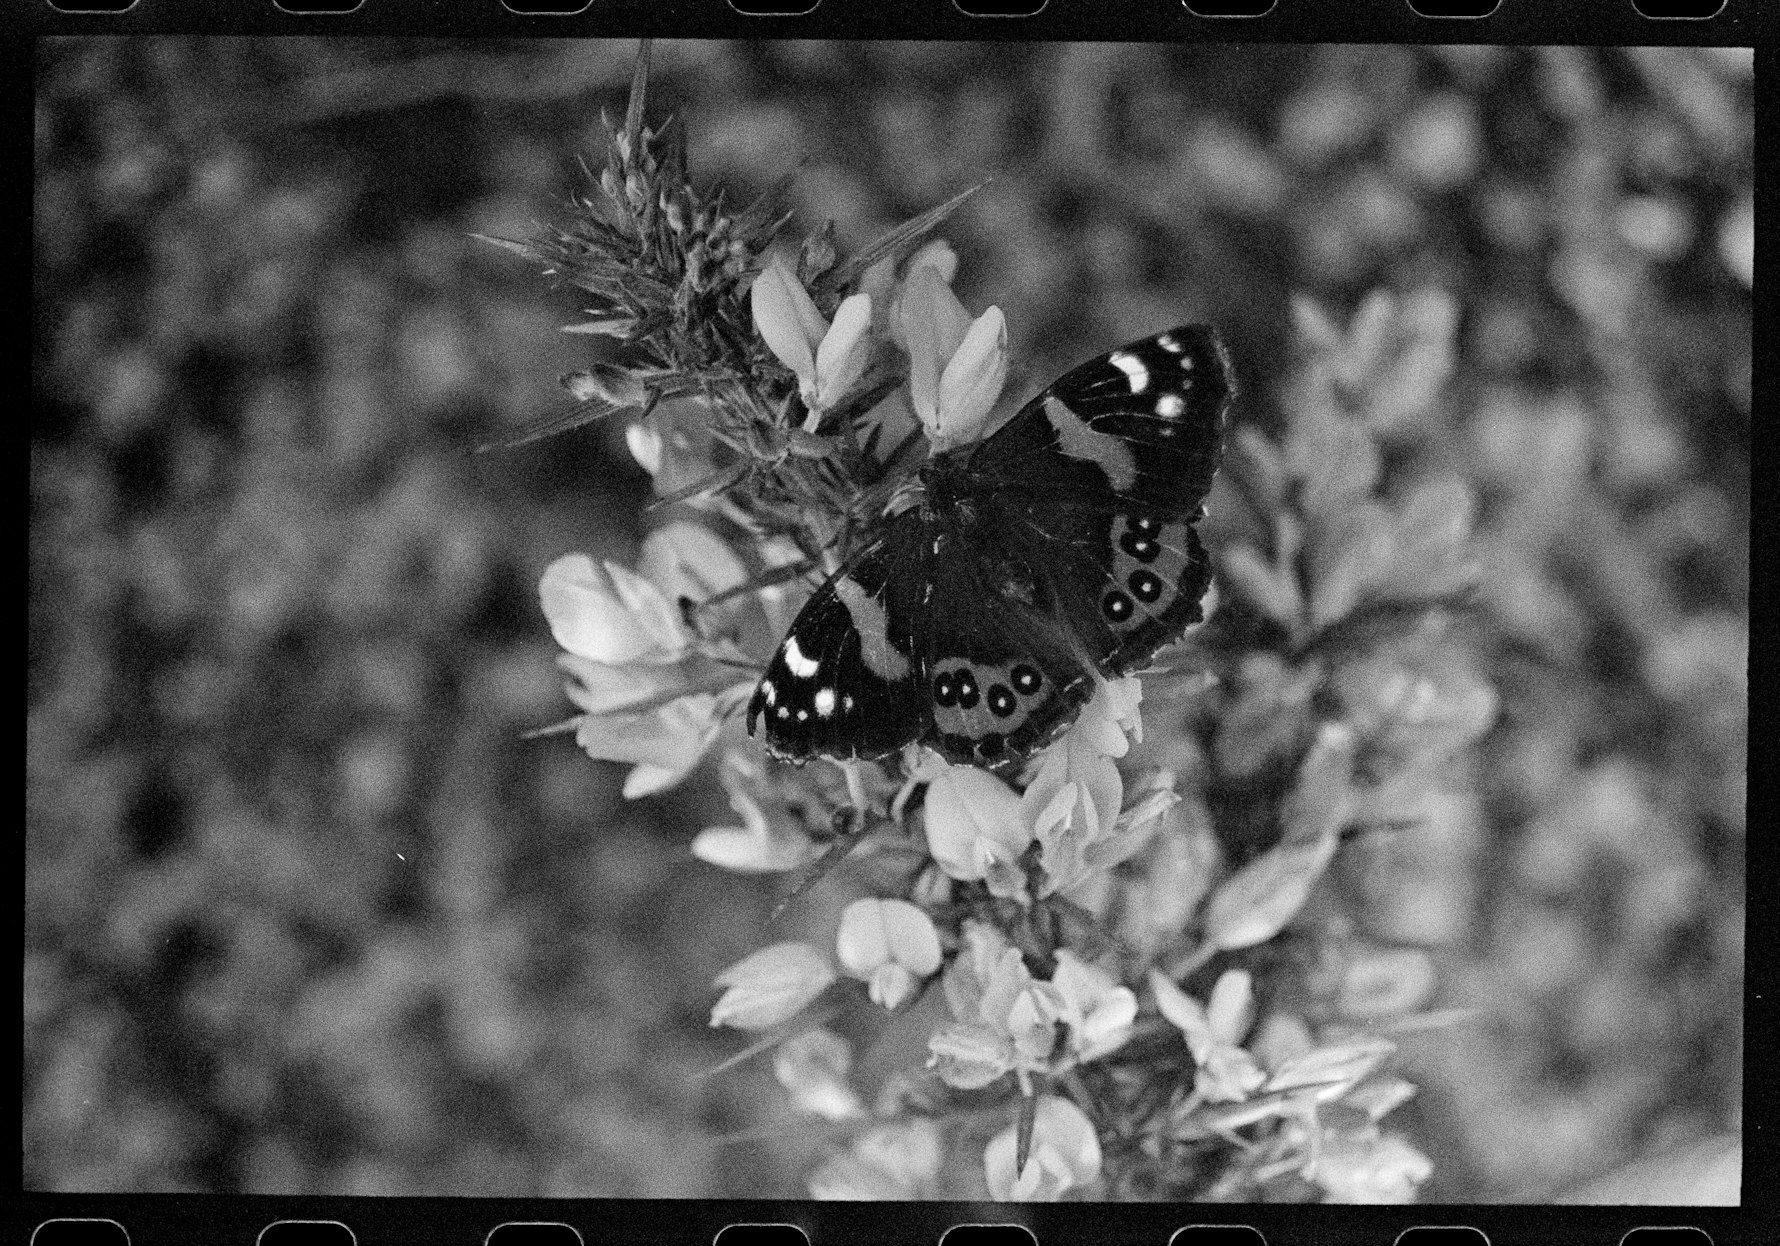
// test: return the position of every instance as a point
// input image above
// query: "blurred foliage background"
(304, 913)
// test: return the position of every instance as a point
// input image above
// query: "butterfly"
(1060, 547)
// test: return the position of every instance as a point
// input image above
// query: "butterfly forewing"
(846, 681)
(1142, 425)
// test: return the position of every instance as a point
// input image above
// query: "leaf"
(1321, 802)
(1349, 554)
(896, 244)
(1333, 1070)
(550, 425)
(639, 90)
(526, 250)
(1257, 901)
(1429, 557)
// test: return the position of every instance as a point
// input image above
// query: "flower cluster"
(1081, 917)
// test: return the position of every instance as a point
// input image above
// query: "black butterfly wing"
(924, 635)
(1002, 675)
(1062, 543)
(1098, 481)
(1142, 425)
(847, 680)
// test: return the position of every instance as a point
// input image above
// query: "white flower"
(957, 365)
(1227, 1073)
(976, 828)
(813, 1067)
(1383, 1169)
(1065, 1154)
(1073, 801)
(1098, 1011)
(759, 845)
(646, 695)
(771, 986)
(828, 359)
(1009, 1021)
(890, 944)
(886, 291)
(897, 1161)
(609, 615)
(662, 744)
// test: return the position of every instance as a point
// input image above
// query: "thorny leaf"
(897, 243)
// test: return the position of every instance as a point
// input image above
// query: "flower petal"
(973, 818)
(1186, 1013)
(972, 380)
(787, 320)
(607, 614)
(686, 559)
(664, 745)
(934, 322)
(755, 847)
(1231, 1009)
(771, 986)
(601, 688)
(845, 350)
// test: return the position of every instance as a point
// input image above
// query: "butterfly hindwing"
(1002, 675)
(1126, 581)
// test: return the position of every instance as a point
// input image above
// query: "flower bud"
(771, 986)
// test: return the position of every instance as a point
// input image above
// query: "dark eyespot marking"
(1140, 547)
(945, 689)
(968, 695)
(1001, 700)
(1146, 586)
(1026, 679)
(1116, 606)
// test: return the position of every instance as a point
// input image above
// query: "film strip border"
(194, 1221)
(1586, 22)
(45, 1219)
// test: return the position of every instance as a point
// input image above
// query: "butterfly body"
(1059, 548)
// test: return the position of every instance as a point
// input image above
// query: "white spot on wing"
(799, 665)
(1132, 367)
(1170, 343)
(881, 658)
(769, 692)
(825, 703)
(1169, 406)
(1076, 439)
